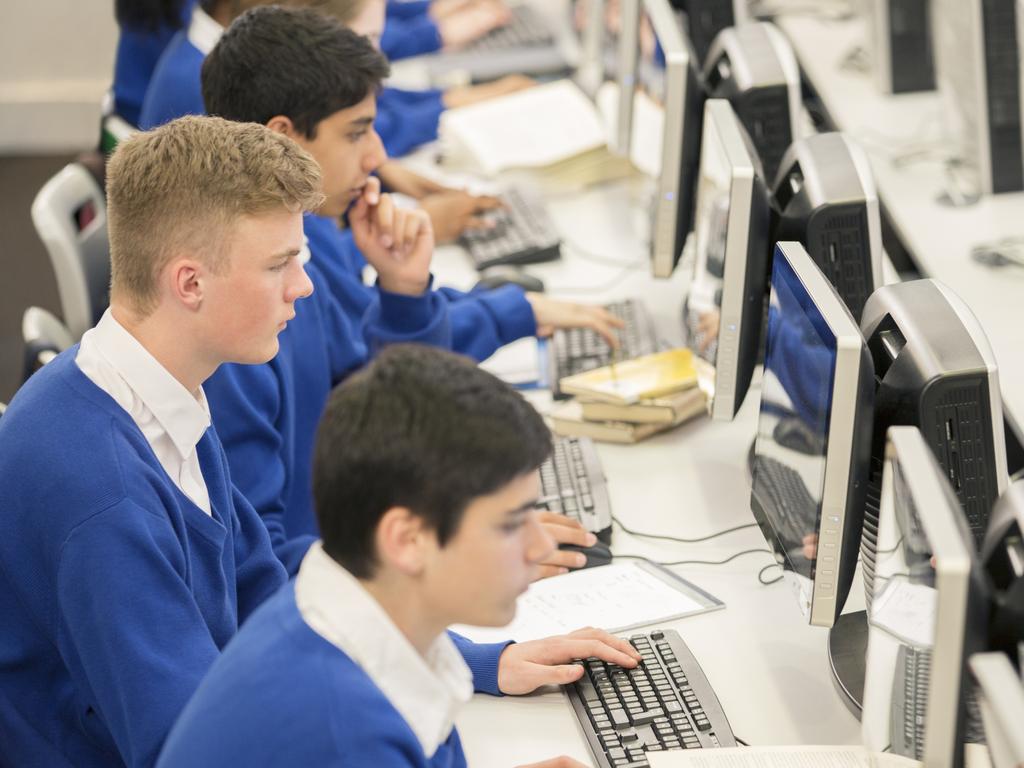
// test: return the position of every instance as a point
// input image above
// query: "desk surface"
(768, 667)
(939, 236)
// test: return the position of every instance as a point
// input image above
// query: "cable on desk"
(592, 289)
(740, 741)
(597, 258)
(729, 559)
(760, 575)
(677, 539)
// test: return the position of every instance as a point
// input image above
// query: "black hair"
(418, 428)
(295, 62)
(149, 15)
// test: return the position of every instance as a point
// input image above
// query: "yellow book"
(669, 409)
(566, 420)
(641, 378)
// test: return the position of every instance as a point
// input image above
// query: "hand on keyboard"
(453, 211)
(471, 22)
(558, 762)
(564, 530)
(464, 95)
(551, 315)
(525, 667)
(398, 243)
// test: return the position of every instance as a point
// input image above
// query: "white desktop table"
(938, 236)
(768, 667)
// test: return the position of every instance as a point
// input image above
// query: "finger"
(415, 223)
(607, 317)
(566, 559)
(372, 190)
(605, 331)
(619, 643)
(614, 652)
(385, 220)
(554, 518)
(561, 674)
(547, 571)
(359, 212)
(564, 534)
(487, 202)
(475, 222)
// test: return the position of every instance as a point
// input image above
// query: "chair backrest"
(45, 337)
(70, 216)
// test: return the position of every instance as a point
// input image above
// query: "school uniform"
(409, 30)
(481, 320)
(322, 676)
(128, 557)
(407, 119)
(267, 415)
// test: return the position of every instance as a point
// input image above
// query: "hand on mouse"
(563, 530)
(552, 314)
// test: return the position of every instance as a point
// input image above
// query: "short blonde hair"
(181, 187)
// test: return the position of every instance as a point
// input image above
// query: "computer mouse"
(793, 433)
(599, 554)
(495, 277)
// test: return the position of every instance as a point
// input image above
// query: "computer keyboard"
(574, 350)
(781, 489)
(664, 703)
(526, 28)
(573, 484)
(523, 233)
(909, 701)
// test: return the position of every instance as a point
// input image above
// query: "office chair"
(70, 216)
(45, 337)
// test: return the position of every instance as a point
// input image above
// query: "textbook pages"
(780, 757)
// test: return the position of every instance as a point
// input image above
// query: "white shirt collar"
(426, 691)
(203, 31)
(183, 416)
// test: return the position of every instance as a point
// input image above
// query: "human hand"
(525, 667)
(472, 22)
(464, 95)
(453, 211)
(707, 326)
(564, 530)
(439, 9)
(556, 762)
(399, 243)
(551, 314)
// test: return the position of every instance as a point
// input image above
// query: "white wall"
(56, 62)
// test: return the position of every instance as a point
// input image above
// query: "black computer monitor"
(724, 309)
(657, 63)
(1001, 699)
(1003, 555)
(928, 615)
(901, 45)
(812, 452)
(824, 197)
(753, 65)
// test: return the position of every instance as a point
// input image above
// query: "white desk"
(768, 667)
(939, 237)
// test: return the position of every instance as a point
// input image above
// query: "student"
(259, 71)
(267, 415)
(415, 27)
(423, 526)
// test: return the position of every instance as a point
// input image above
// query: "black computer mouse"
(495, 277)
(599, 554)
(793, 433)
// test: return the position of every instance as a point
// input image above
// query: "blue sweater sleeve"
(131, 633)
(482, 320)
(407, 9)
(482, 659)
(258, 571)
(414, 36)
(394, 318)
(407, 119)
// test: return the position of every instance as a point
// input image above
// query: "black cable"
(695, 562)
(760, 574)
(678, 539)
(740, 741)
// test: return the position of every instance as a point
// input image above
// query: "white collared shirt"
(172, 419)
(203, 31)
(426, 690)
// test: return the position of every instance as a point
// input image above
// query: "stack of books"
(629, 401)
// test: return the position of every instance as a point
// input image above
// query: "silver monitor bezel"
(1001, 697)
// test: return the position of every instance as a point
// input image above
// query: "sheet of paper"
(907, 611)
(779, 757)
(612, 597)
(516, 363)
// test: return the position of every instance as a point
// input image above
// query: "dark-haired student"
(267, 415)
(128, 557)
(423, 526)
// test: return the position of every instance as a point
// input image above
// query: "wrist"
(403, 286)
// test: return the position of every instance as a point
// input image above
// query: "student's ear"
(283, 125)
(402, 541)
(184, 278)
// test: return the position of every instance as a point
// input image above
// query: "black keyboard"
(909, 701)
(525, 29)
(573, 481)
(664, 703)
(523, 233)
(574, 350)
(782, 491)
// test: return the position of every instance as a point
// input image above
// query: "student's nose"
(539, 543)
(375, 155)
(299, 284)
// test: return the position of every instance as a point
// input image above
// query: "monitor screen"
(811, 455)
(928, 590)
(725, 305)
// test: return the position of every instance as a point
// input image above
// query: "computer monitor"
(1001, 698)
(824, 196)
(978, 71)
(706, 18)
(813, 441)
(928, 614)
(724, 309)
(901, 45)
(658, 69)
(1003, 556)
(753, 65)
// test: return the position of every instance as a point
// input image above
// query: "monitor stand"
(847, 655)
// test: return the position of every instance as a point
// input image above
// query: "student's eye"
(513, 525)
(356, 137)
(279, 267)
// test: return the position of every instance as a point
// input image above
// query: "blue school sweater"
(283, 695)
(118, 592)
(267, 415)
(406, 119)
(175, 89)
(481, 320)
(409, 30)
(138, 51)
